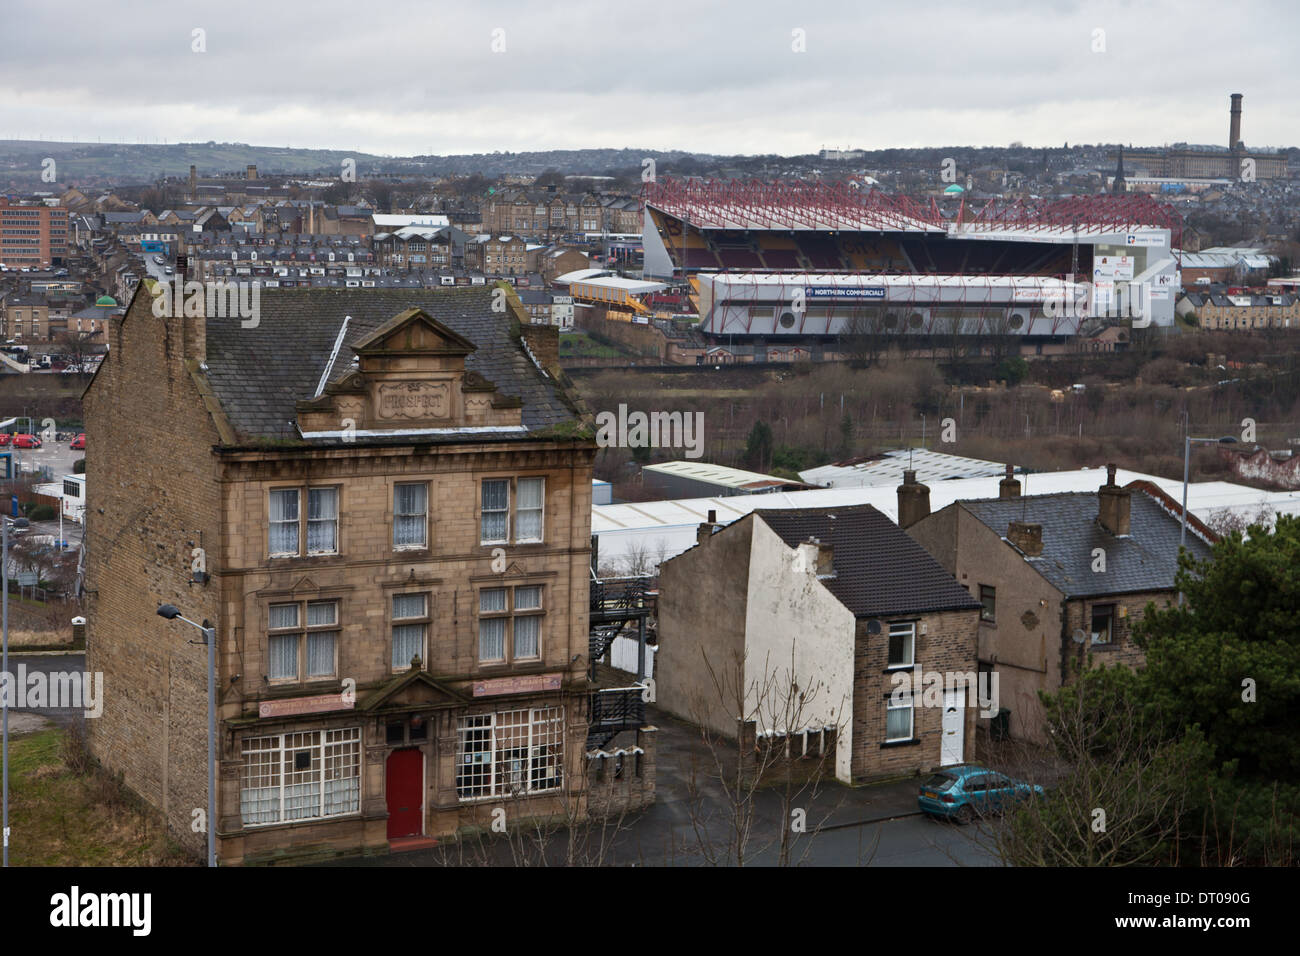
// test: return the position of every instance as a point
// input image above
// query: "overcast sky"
(398, 77)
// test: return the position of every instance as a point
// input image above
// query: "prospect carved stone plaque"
(413, 400)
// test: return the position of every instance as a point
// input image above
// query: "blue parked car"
(965, 792)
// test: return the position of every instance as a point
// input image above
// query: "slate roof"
(258, 374)
(878, 568)
(1143, 560)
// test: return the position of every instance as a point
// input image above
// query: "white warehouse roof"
(663, 529)
(888, 468)
(716, 474)
(385, 221)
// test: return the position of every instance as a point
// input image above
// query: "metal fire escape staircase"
(617, 604)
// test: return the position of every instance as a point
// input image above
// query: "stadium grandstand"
(819, 260)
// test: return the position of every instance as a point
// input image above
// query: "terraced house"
(382, 502)
(1062, 579)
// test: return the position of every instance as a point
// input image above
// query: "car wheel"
(965, 814)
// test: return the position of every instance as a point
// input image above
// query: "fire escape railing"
(613, 710)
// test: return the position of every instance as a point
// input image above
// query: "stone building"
(382, 502)
(1060, 577)
(844, 605)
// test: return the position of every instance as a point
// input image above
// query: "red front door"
(404, 786)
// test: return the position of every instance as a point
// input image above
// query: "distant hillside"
(139, 164)
(127, 163)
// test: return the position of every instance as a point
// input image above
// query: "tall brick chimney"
(1008, 487)
(1234, 123)
(194, 182)
(252, 170)
(913, 500)
(1114, 505)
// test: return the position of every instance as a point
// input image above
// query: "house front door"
(404, 787)
(952, 746)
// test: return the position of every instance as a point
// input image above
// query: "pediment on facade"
(413, 690)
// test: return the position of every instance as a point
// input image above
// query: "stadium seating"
(820, 253)
(766, 250)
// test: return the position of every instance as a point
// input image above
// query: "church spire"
(1120, 186)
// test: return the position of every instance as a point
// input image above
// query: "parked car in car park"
(21, 440)
(966, 791)
(79, 442)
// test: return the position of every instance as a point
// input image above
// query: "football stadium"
(815, 261)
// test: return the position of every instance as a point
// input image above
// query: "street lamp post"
(4, 667)
(171, 613)
(1188, 442)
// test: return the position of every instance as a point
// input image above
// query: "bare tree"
(766, 756)
(1224, 521)
(1126, 796)
(864, 336)
(76, 346)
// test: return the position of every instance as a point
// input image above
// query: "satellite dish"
(873, 626)
(1080, 635)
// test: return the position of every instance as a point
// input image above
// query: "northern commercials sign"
(836, 292)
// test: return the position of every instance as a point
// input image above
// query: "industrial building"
(674, 479)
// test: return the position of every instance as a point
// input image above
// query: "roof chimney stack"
(1027, 536)
(706, 528)
(824, 563)
(1114, 505)
(913, 500)
(1008, 487)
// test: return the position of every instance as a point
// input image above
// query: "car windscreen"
(938, 781)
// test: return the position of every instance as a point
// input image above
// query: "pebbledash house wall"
(793, 623)
(161, 487)
(713, 574)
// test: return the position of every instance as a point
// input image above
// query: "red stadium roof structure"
(823, 206)
(788, 205)
(1101, 213)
